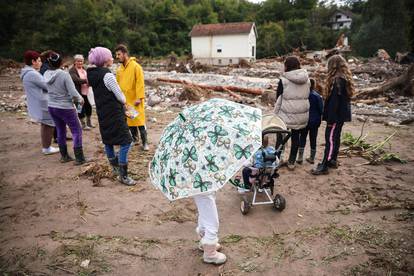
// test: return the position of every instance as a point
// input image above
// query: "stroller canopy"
(272, 123)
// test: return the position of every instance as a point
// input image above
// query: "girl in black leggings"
(337, 110)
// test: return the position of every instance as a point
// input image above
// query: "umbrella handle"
(182, 117)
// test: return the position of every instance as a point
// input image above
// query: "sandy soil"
(358, 220)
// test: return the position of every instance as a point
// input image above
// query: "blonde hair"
(338, 67)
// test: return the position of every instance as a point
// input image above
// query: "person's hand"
(137, 102)
(81, 101)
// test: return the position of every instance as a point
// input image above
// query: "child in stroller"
(259, 176)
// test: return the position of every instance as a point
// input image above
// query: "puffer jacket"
(292, 106)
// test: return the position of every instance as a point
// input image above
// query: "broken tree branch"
(219, 88)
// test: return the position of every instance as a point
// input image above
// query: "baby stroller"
(264, 179)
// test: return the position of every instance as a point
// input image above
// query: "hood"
(26, 69)
(299, 76)
(51, 75)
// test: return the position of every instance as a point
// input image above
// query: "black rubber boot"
(115, 165)
(89, 122)
(79, 157)
(322, 168)
(311, 158)
(299, 160)
(65, 157)
(123, 175)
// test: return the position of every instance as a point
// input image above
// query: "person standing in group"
(130, 77)
(339, 90)
(292, 103)
(62, 95)
(79, 77)
(37, 99)
(315, 118)
(109, 102)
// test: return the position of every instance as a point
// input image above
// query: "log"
(373, 101)
(405, 81)
(219, 88)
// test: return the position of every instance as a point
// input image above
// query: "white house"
(223, 44)
(341, 19)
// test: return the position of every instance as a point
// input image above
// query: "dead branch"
(219, 88)
(405, 81)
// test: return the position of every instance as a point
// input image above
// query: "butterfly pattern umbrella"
(204, 147)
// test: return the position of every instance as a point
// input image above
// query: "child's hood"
(299, 76)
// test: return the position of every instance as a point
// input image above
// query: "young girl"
(110, 102)
(315, 116)
(292, 104)
(337, 110)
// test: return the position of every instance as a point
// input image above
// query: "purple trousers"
(63, 118)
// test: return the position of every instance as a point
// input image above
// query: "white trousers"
(208, 222)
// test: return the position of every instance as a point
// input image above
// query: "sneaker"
(146, 147)
(291, 166)
(50, 150)
(242, 190)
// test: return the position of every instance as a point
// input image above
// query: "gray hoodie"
(61, 89)
(293, 105)
(36, 95)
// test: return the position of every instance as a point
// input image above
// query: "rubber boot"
(211, 256)
(83, 123)
(115, 165)
(79, 157)
(143, 134)
(200, 244)
(311, 158)
(123, 175)
(322, 168)
(299, 160)
(65, 157)
(89, 122)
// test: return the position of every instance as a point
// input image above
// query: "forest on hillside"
(158, 27)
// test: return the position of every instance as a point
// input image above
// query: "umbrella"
(204, 147)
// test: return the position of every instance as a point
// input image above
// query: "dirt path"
(358, 220)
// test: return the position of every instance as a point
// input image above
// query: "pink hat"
(99, 55)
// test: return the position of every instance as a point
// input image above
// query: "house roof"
(222, 29)
(347, 13)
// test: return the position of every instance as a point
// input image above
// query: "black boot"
(123, 175)
(79, 157)
(65, 157)
(143, 134)
(299, 160)
(311, 158)
(322, 168)
(115, 165)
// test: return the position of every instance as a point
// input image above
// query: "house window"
(218, 50)
(219, 61)
(338, 17)
(252, 51)
(341, 24)
(230, 61)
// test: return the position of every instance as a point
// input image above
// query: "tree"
(271, 40)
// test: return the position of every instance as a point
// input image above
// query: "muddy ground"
(358, 220)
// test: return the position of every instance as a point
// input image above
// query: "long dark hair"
(55, 60)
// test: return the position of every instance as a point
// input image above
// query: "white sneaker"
(50, 150)
(242, 190)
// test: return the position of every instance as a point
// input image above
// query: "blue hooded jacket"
(315, 109)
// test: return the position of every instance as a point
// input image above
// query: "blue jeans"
(122, 155)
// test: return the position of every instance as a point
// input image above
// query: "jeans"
(122, 155)
(294, 145)
(69, 117)
(332, 141)
(208, 221)
(313, 135)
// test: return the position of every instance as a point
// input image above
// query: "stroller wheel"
(279, 202)
(244, 206)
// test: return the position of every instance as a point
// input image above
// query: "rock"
(153, 120)
(85, 263)
(153, 100)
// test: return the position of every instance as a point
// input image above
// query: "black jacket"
(111, 115)
(337, 107)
